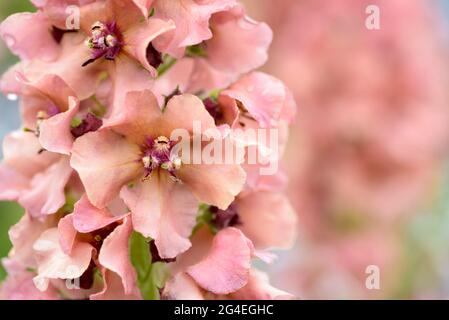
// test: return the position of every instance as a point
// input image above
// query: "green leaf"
(76, 121)
(204, 218)
(159, 274)
(214, 94)
(150, 277)
(196, 50)
(169, 62)
(139, 251)
(10, 214)
(149, 290)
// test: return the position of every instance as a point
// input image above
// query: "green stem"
(168, 63)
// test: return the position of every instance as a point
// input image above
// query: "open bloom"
(78, 247)
(219, 267)
(132, 156)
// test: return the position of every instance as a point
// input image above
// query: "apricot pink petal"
(138, 119)
(9, 83)
(12, 183)
(268, 219)
(239, 44)
(105, 161)
(68, 66)
(144, 5)
(113, 289)
(53, 263)
(23, 235)
(182, 287)
(124, 13)
(88, 218)
(41, 4)
(257, 182)
(191, 19)
(114, 255)
(67, 234)
(21, 152)
(206, 77)
(289, 110)
(21, 287)
(214, 184)
(28, 35)
(177, 76)
(55, 132)
(164, 210)
(50, 86)
(127, 76)
(262, 95)
(47, 191)
(142, 116)
(57, 10)
(226, 267)
(259, 288)
(139, 37)
(183, 111)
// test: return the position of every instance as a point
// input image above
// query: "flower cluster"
(114, 209)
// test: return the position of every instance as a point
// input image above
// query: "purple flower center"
(157, 153)
(105, 41)
(90, 123)
(154, 57)
(225, 218)
(96, 239)
(214, 109)
(155, 257)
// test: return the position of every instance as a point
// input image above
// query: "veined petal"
(164, 210)
(88, 218)
(239, 44)
(47, 191)
(115, 257)
(268, 219)
(53, 263)
(214, 184)
(191, 19)
(227, 266)
(55, 132)
(259, 288)
(139, 37)
(28, 35)
(182, 287)
(105, 161)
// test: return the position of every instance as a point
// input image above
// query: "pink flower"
(136, 149)
(40, 178)
(217, 264)
(191, 19)
(68, 253)
(220, 60)
(220, 271)
(15, 32)
(268, 219)
(20, 286)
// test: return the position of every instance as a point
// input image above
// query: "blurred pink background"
(367, 152)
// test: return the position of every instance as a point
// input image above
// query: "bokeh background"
(368, 157)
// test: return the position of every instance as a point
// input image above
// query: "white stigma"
(146, 161)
